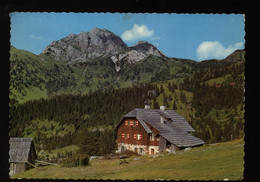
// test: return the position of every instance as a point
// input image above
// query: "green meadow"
(209, 162)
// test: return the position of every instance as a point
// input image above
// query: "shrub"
(77, 160)
(129, 153)
(123, 162)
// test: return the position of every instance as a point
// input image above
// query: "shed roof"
(20, 149)
(175, 129)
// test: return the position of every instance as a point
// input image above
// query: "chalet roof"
(175, 129)
(20, 149)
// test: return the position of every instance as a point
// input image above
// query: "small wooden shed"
(22, 155)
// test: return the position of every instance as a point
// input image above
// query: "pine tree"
(174, 106)
(183, 98)
(155, 104)
(161, 89)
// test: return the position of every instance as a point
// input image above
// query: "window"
(152, 137)
(126, 123)
(139, 137)
(125, 135)
(136, 123)
(141, 150)
(131, 123)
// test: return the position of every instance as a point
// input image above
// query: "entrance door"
(122, 148)
(136, 150)
(152, 151)
(141, 150)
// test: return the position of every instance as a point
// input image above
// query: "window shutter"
(123, 135)
(135, 136)
(125, 122)
(128, 135)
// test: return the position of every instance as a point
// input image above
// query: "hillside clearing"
(209, 162)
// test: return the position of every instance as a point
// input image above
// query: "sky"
(190, 36)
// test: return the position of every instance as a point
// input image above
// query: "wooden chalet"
(149, 131)
(22, 155)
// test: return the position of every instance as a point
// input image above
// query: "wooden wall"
(16, 168)
(132, 130)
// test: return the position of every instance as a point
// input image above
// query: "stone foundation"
(140, 149)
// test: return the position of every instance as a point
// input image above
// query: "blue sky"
(191, 36)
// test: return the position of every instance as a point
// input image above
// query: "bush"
(123, 162)
(129, 153)
(77, 160)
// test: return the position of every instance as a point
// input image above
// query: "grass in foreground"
(209, 162)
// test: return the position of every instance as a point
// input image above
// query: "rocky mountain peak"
(97, 43)
(100, 31)
(86, 46)
(147, 48)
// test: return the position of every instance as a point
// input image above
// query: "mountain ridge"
(86, 46)
(98, 43)
(96, 60)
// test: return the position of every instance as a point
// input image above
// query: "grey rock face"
(98, 43)
(86, 46)
(131, 57)
(138, 52)
(147, 48)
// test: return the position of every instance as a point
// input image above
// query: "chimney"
(162, 108)
(147, 106)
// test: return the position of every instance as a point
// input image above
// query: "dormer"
(163, 119)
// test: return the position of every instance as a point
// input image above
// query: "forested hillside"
(35, 76)
(69, 116)
(211, 99)
(63, 103)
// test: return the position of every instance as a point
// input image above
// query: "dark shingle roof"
(19, 149)
(175, 129)
(179, 121)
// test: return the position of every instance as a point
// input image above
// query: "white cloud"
(215, 50)
(34, 37)
(138, 32)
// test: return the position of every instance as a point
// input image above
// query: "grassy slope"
(47, 128)
(54, 153)
(209, 162)
(182, 109)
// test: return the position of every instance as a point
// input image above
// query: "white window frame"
(152, 137)
(138, 137)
